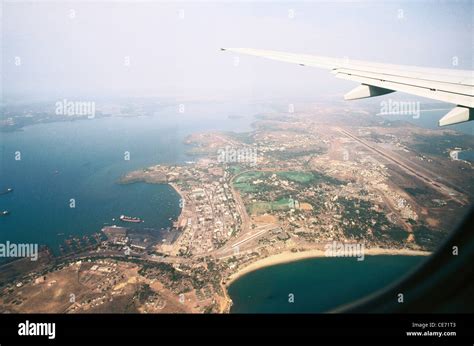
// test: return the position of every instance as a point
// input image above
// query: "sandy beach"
(181, 195)
(289, 256)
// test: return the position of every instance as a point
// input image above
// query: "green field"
(246, 187)
(243, 182)
(265, 207)
(297, 177)
(250, 176)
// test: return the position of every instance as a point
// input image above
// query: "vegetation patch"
(428, 238)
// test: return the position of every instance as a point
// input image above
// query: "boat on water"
(5, 213)
(130, 219)
(6, 191)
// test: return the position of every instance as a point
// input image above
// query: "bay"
(317, 284)
(81, 161)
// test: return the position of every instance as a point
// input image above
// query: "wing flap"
(412, 86)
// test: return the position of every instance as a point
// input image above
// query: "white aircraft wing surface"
(452, 86)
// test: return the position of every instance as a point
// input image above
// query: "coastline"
(181, 196)
(226, 303)
(288, 256)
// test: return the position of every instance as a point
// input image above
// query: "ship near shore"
(132, 219)
(6, 191)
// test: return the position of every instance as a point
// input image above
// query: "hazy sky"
(81, 48)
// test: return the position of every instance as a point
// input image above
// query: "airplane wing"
(452, 86)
